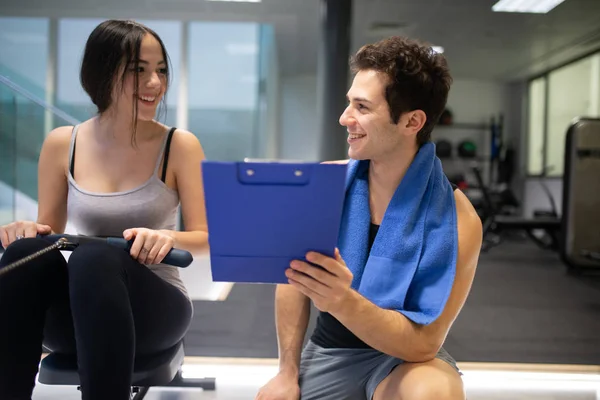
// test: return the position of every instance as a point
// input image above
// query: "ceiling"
(483, 44)
(478, 43)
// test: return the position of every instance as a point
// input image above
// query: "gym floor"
(241, 379)
(528, 331)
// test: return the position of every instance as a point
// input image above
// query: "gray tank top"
(152, 205)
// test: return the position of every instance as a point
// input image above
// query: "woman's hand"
(150, 246)
(21, 229)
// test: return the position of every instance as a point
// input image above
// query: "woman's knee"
(22, 248)
(43, 265)
(39, 280)
(94, 262)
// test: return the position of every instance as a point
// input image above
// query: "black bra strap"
(72, 166)
(166, 158)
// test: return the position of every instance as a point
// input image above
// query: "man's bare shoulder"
(465, 211)
(469, 230)
(336, 162)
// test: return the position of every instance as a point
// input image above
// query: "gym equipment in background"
(446, 118)
(443, 149)
(495, 224)
(496, 146)
(467, 149)
(580, 245)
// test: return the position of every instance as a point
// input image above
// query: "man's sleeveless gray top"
(152, 205)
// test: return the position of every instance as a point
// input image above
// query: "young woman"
(120, 173)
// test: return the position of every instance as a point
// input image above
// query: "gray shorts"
(347, 374)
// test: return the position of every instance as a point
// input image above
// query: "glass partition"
(24, 47)
(22, 133)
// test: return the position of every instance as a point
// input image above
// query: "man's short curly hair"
(418, 78)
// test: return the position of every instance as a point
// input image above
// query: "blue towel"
(412, 263)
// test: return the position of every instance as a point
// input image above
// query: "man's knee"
(433, 389)
(435, 380)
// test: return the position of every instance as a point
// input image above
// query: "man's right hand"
(281, 387)
(21, 229)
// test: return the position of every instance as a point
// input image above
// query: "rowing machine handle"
(176, 257)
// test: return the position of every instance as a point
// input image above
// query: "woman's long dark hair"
(111, 48)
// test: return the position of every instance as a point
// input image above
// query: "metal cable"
(60, 244)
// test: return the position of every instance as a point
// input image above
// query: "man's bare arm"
(292, 311)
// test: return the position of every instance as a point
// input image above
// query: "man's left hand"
(328, 286)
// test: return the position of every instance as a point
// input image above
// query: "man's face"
(371, 133)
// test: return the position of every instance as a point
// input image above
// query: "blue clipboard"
(263, 215)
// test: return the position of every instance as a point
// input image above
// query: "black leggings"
(102, 306)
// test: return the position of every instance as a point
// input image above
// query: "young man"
(408, 249)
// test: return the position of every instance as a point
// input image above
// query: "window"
(570, 96)
(555, 101)
(223, 81)
(24, 47)
(537, 119)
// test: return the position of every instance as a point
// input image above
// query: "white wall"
(477, 101)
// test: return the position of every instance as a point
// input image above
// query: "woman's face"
(152, 81)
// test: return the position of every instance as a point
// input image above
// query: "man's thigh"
(352, 374)
(336, 374)
(438, 379)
